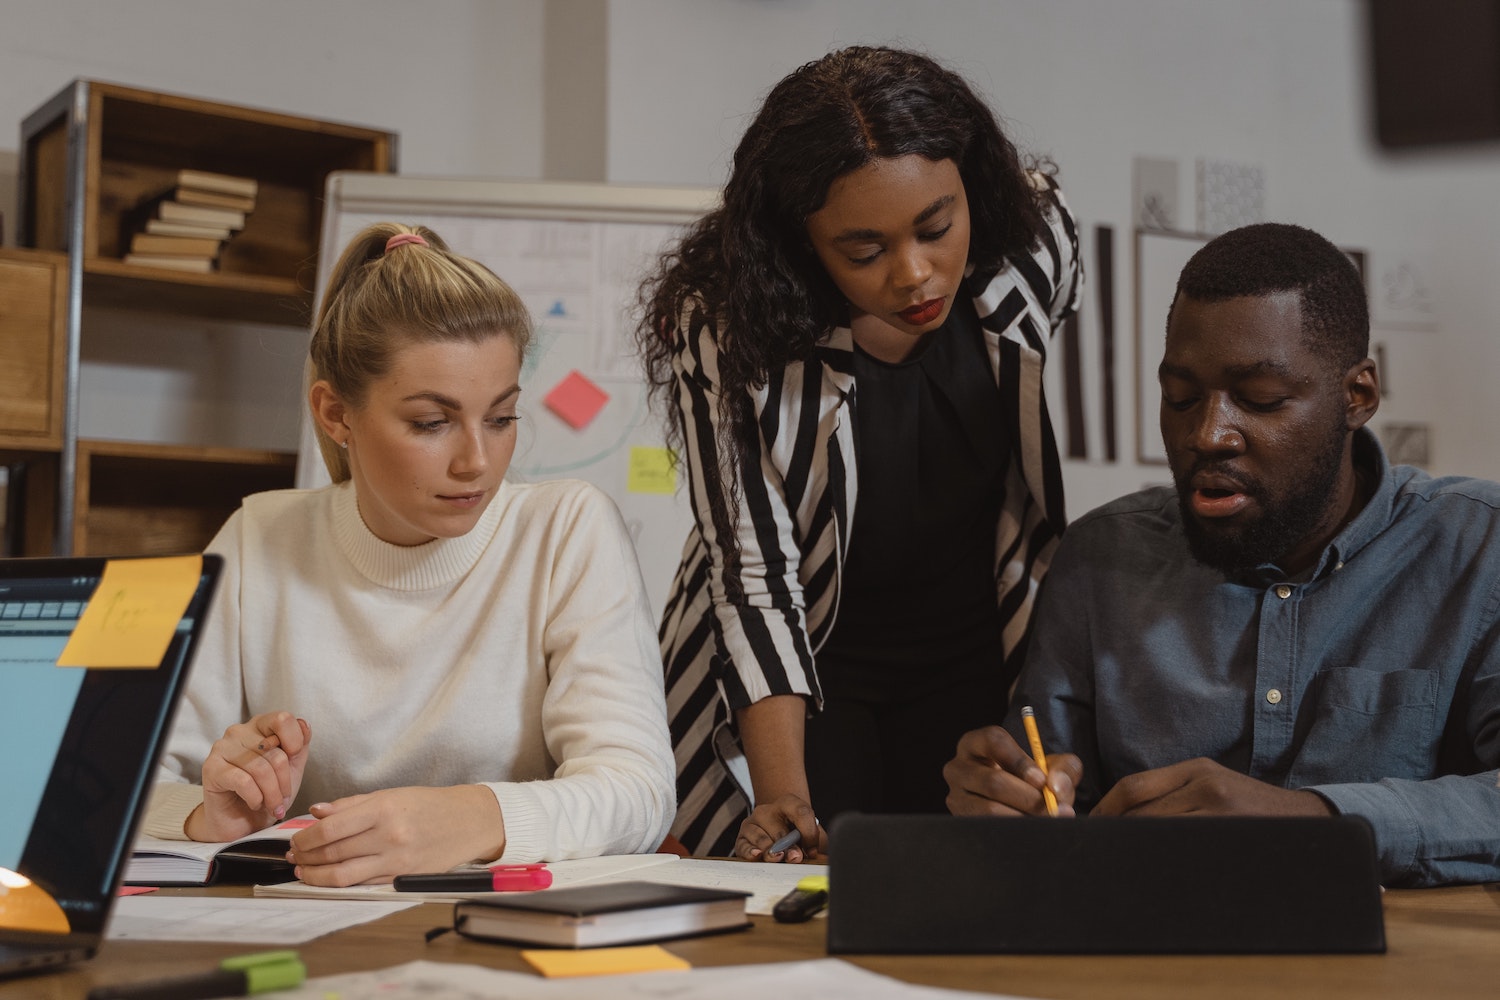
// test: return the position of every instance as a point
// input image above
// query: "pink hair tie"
(401, 239)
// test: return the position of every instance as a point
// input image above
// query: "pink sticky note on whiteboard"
(576, 400)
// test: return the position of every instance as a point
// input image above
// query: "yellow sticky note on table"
(651, 471)
(603, 961)
(133, 613)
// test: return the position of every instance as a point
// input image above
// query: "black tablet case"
(955, 885)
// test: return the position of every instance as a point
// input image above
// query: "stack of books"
(185, 228)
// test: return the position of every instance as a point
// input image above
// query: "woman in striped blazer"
(850, 349)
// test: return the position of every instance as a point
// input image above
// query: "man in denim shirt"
(1298, 628)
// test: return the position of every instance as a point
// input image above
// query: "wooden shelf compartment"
(221, 295)
(154, 499)
(33, 286)
(135, 143)
(31, 501)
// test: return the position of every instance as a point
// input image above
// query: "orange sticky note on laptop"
(133, 613)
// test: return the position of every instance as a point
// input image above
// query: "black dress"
(914, 658)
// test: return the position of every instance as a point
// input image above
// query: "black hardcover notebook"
(590, 916)
(1103, 885)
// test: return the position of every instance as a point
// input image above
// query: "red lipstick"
(924, 312)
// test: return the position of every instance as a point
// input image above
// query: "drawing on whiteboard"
(576, 399)
(537, 462)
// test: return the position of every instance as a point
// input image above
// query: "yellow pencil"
(1028, 719)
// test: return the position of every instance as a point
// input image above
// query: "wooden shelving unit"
(33, 309)
(151, 499)
(33, 317)
(90, 156)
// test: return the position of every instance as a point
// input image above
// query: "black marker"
(803, 902)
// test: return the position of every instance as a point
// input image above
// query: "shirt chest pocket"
(1384, 721)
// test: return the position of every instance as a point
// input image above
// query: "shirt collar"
(1369, 459)
(836, 349)
(438, 563)
(836, 352)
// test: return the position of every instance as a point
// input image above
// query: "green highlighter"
(241, 976)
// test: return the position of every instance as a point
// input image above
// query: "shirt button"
(1283, 591)
(1273, 696)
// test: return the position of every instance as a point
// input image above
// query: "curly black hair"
(1278, 257)
(749, 269)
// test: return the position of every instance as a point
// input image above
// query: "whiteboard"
(575, 253)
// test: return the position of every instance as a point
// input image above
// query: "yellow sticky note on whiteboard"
(604, 961)
(133, 613)
(651, 471)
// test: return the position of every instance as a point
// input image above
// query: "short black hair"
(1274, 257)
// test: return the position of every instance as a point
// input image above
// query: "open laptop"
(78, 748)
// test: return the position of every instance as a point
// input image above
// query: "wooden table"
(1442, 943)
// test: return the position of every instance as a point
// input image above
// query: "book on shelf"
(259, 859)
(176, 246)
(204, 180)
(189, 221)
(213, 199)
(161, 216)
(170, 210)
(592, 916)
(157, 227)
(172, 262)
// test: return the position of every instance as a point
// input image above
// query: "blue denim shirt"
(1374, 683)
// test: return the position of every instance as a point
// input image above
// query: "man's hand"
(1203, 788)
(992, 776)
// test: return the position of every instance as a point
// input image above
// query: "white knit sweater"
(520, 655)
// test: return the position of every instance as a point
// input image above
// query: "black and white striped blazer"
(745, 624)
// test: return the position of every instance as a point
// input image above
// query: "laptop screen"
(79, 744)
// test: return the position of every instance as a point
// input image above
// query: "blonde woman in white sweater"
(438, 665)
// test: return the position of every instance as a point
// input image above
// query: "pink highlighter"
(499, 878)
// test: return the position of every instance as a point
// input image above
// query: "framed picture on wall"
(1159, 259)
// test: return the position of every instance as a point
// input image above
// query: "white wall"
(458, 80)
(1093, 84)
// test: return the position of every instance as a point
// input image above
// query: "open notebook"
(258, 858)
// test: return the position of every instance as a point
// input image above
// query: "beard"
(1287, 516)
